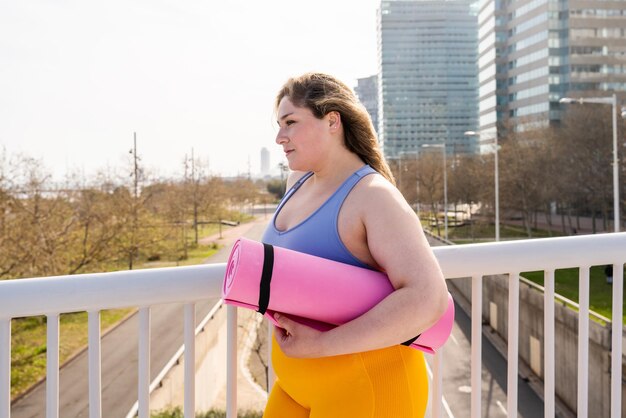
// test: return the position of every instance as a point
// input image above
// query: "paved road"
(457, 384)
(457, 376)
(119, 355)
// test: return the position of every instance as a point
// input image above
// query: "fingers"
(285, 323)
(295, 339)
(283, 331)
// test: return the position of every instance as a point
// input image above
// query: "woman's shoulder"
(375, 194)
(376, 185)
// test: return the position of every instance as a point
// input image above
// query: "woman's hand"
(297, 340)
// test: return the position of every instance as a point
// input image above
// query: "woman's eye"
(290, 122)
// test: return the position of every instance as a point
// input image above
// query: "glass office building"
(533, 53)
(367, 92)
(428, 76)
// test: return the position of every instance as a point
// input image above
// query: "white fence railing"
(93, 293)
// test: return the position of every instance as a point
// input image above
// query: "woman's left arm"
(397, 243)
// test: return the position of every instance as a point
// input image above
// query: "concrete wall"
(495, 313)
(210, 370)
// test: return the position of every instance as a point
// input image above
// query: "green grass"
(566, 284)
(213, 413)
(195, 255)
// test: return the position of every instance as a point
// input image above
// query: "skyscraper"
(533, 53)
(428, 82)
(367, 92)
(265, 162)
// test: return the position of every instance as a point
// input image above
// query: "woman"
(342, 204)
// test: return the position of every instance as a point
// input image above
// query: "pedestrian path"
(231, 234)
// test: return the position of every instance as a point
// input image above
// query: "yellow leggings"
(387, 383)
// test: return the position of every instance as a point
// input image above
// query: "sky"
(78, 78)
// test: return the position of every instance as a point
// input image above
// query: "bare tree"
(584, 152)
(470, 182)
(429, 175)
(521, 174)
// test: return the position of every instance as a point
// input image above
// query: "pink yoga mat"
(312, 290)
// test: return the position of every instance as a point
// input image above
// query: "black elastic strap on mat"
(411, 340)
(266, 278)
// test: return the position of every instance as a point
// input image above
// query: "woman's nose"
(280, 137)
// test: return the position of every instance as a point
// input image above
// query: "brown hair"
(322, 93)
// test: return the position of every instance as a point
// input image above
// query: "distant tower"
(265, 162)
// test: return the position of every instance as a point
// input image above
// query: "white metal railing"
(53, 296)
(549, 254)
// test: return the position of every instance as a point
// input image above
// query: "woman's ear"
(334, 120)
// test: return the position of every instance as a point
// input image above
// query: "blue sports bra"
(318, 234)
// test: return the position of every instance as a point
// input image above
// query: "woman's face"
(304, 137)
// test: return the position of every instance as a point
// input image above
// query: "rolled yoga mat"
(315, 291)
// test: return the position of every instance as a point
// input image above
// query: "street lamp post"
(445, 185)
(496, 180)
(613, 102)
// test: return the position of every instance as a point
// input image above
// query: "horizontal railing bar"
(87, 292)
(530, 255)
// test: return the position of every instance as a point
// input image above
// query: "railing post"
(95, 369)
(190, 360)
(231, 362)
(52, 366)
(583, 342)
(513, 345)
(548, 344)
(476, 347)
(616, 341)
(437, 393)
(5, 368)
(143, 378)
